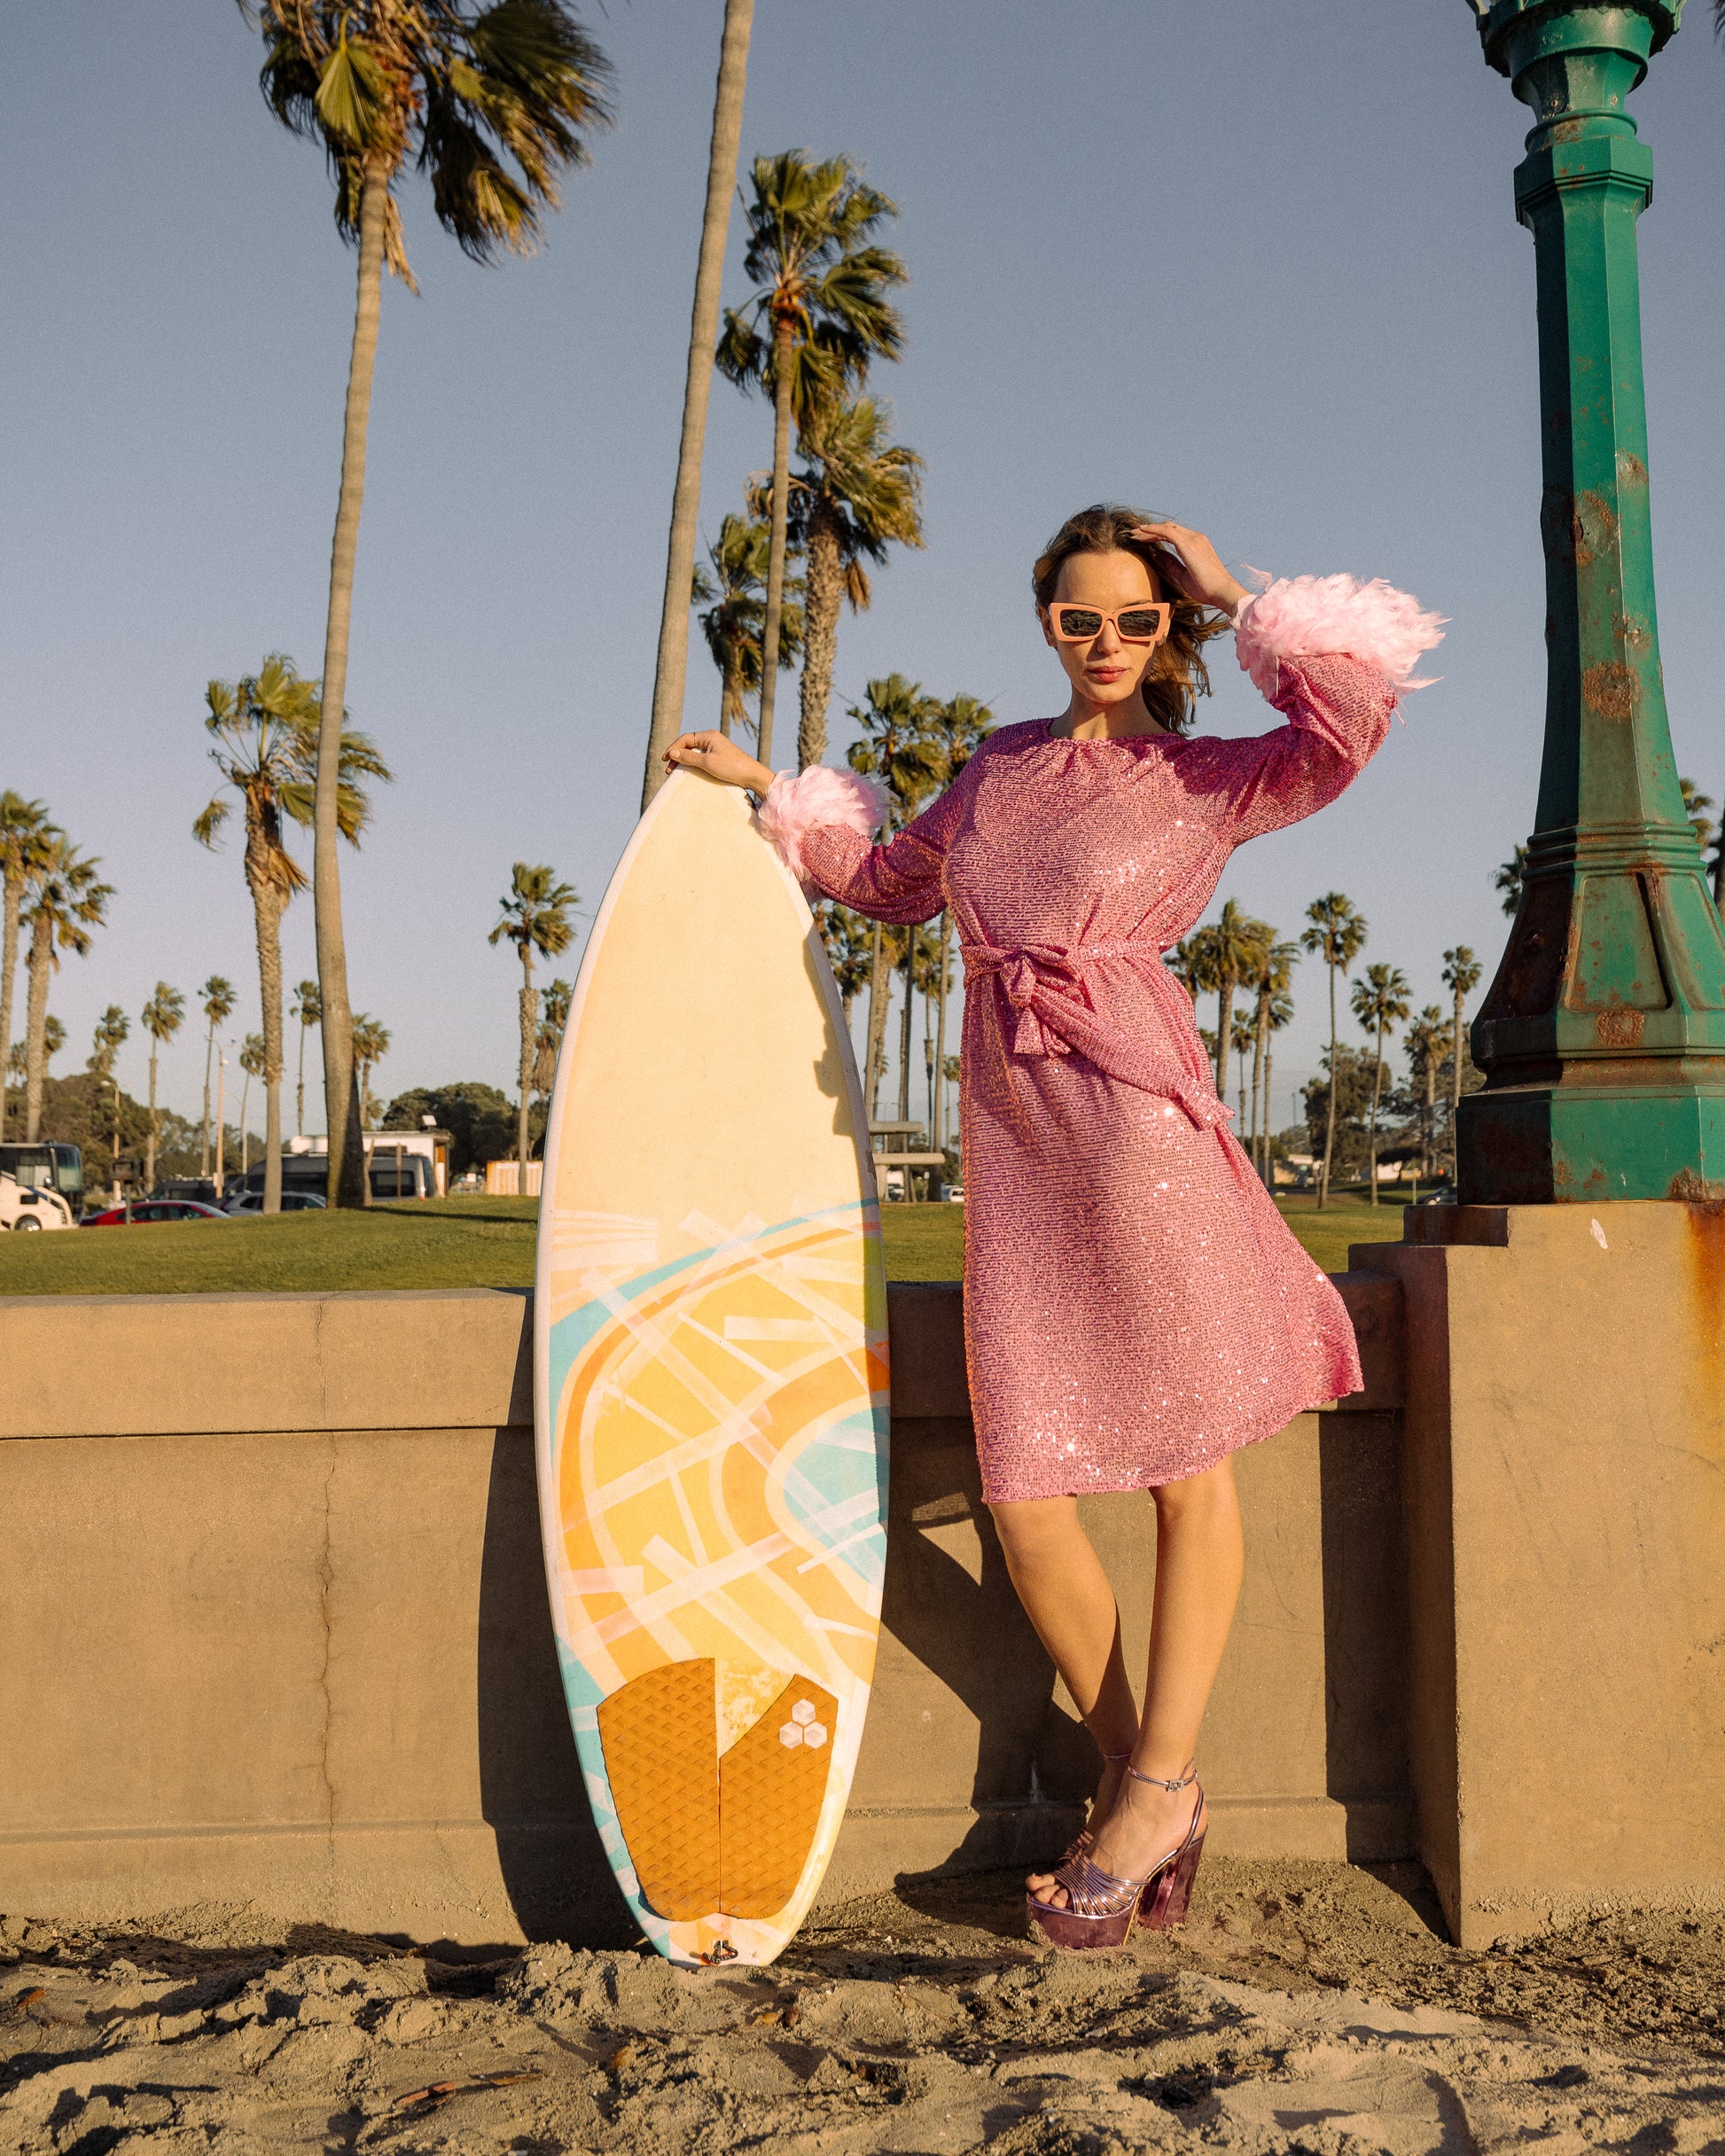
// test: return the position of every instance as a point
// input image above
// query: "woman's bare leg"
(1199, 1561)
(1066, 1596)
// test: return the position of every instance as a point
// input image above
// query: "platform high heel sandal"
(1100, 1907)
(1080, 1844)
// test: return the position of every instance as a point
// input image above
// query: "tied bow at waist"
(1051, 1018)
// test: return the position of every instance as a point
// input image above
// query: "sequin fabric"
(1135, 1308)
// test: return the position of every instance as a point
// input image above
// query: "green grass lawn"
(439, 1242)
(472, 1242)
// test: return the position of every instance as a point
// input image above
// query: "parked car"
(26, 1209)
(292, 1201)
(151, 1212)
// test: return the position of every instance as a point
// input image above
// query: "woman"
(1135, 1309)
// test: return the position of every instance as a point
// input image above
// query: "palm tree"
(217, 998)
(163, 1016)
(265, 727)
(253, 1060)
(818, 315)
(554, 1002)
(1338, 933)
(1427, 1041)
(1461, 977)
(964, 722)
(671, 670)
(111, 1031)
(1236, 954)
(306, 1010)
(63, 902)
(372, 1039)
(1695, 805)
(732, 622)
(24, 834)
(1507, 879)
(849, 940)
(1380, 1002)
(490, 104)
(1275, 971)
(860, 494)
(900, 749)
(535, 917)
(53, 1039)
(1280, 1013)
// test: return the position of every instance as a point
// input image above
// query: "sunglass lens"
(1080, 622)
(1143, 624)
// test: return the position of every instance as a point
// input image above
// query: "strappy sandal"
(1100, 1907)
(1082, 1843)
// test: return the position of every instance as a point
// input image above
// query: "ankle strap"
(1116, 1759)
(1173, 1788)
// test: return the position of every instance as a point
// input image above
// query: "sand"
(1309, 2007)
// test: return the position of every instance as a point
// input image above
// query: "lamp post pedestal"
(1603, 1037)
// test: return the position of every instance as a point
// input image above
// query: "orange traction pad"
(708, 1836)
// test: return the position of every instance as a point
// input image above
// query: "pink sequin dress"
(1135, 1308)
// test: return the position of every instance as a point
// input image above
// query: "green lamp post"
(1602, 1038)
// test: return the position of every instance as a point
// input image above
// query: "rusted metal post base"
(1602, 1038)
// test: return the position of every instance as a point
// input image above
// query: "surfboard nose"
(710, 1836)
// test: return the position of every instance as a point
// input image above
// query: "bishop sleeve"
(1334, 655)
(821, 824)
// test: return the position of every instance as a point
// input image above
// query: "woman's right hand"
(720, 758)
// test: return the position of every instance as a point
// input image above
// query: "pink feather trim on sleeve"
(819, 798)
(1303, 617)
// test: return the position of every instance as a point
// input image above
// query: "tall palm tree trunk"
(35, 1027)
(670, 674)
(1330, 1119)
(904, 1032)
(782, 348)
(1376, 1095)
(529, 1028)
(13, 898)
(267, 908)
(151, 1141)
(823, 590)
(1456, 1098)
(878, 976)
(941, 1036)
(347, 1184)
(299, 1087)
(203, 1139)
(1257, 1079)
(1224, 1029)
(1269, 1111)
(1429, 1136)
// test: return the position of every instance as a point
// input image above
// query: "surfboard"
(710, 1323)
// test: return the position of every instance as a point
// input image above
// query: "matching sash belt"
(1048, 997)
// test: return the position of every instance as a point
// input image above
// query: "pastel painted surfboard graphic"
(711, 1382)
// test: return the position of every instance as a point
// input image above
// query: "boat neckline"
(1106, 740)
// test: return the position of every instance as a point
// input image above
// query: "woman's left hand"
(1196, 566)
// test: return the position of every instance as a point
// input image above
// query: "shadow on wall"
(531, 1793)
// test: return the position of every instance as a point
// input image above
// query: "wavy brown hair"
(1176, 674)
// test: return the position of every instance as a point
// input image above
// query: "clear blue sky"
(1253, 264)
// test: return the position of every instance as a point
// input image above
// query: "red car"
(148, 1211)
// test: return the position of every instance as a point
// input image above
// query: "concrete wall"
(276, 1629)
(1565, 1487)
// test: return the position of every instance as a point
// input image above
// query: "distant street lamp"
(1602, 1038)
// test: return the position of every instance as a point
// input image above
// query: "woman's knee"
(1029, 1525)
(1207, 1495)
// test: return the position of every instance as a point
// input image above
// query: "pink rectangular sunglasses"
(1146, 622)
